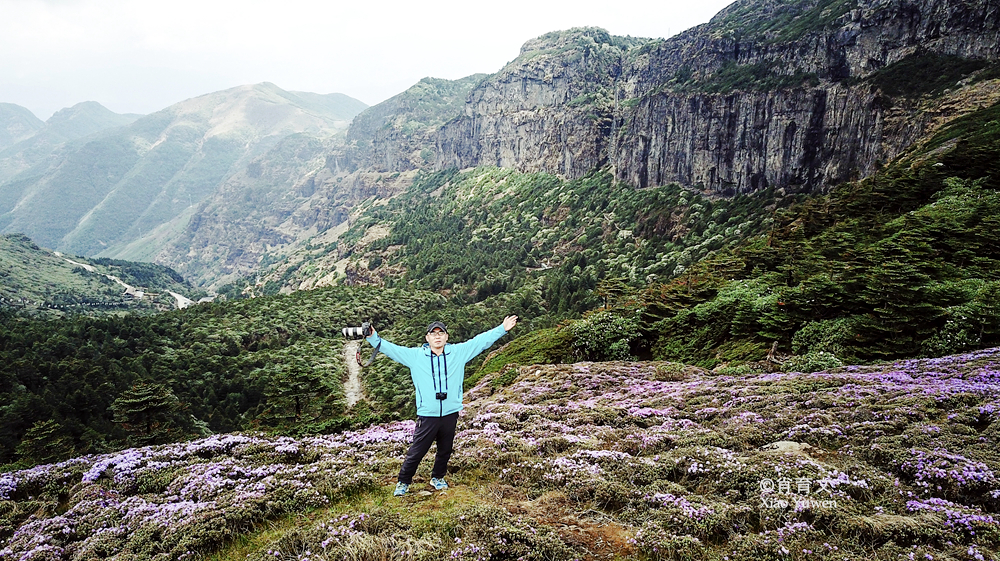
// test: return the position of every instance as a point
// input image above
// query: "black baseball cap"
(437, 325)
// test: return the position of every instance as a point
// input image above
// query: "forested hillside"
(901, 264)
(543, 241)
(92, 384)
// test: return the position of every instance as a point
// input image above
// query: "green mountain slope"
(72, 123)
(897, 265)
(901, 264)
(117, 187)
(301, 187)
(37, 281)
(16, 124)
(285, 194)
(84, 119)
(490, 231)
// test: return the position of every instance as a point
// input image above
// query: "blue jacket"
(438, 373)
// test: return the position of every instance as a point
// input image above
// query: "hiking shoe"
(401, 489)
(439, 484)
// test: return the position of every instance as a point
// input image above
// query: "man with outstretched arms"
(438, 371)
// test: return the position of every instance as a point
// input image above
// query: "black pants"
(430, 429)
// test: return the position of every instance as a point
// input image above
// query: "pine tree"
(148, 412)
(45, 442)
(295, 394)
(610, 290)
(902, 315)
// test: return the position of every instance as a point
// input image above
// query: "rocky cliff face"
(399, 133)
(739, 142)
(766, 94)
(548, 110)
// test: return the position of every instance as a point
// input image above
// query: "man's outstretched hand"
(509, 322)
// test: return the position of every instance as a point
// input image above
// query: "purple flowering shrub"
(938, 472)
(658, 461)
(381, 534)
(479, 532)
(686, 455)
(658, 545)
(221, 486)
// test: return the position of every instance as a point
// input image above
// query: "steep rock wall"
(399, 134)
(744, 142)
(663, 111)
(550, 110)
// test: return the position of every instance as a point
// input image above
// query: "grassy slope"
(583, 461)
(56, 285)
(491, 231)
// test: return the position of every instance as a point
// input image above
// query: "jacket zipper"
(436, 379)
(445, 357)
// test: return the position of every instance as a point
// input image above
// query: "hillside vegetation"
(901, 264)
(99, 193)
(93, 384)
(535, 239)
(650, 461)
(37, 281)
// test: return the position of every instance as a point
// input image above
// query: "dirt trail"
(352, 387)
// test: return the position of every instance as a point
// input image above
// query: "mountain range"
(797, 96)
(755, 265)
(91, 182)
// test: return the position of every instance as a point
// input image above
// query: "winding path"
(352, 387)
(182, 301)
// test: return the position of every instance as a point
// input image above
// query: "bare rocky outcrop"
(550, 110)
(795, 113)
(399, 134)
(800, 138)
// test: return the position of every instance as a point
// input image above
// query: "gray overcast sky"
(139, 56)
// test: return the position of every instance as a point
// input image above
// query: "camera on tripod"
(358, 332)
